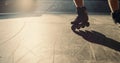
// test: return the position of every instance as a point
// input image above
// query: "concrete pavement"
(49, 39)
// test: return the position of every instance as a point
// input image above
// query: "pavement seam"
(54, 52)
(92, 50)
(14, 35)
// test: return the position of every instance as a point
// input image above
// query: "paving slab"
(49, 39)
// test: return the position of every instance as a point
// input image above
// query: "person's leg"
(82, 17)
(79, 3)
(114, 6)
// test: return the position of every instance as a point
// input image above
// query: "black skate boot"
(81, 20)
(116, 16)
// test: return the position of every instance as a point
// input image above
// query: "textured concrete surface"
(49, 39)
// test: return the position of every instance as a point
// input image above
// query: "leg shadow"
(98, 38)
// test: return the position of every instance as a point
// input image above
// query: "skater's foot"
(80, 24)
(116, 16)
(81, 20)
(76, 21)
(83, 25)
(86, 24)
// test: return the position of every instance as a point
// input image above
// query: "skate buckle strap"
(116, 16)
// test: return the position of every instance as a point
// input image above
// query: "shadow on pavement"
(98, 38)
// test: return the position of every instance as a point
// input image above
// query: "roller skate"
(81, 20)
(116, 16)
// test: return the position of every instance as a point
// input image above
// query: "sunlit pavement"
(49, 39)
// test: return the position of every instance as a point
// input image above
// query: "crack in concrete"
(14, 35)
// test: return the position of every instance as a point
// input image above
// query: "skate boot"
(116, 16)
(81, 20)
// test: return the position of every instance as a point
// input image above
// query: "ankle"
(116, 11)
(81, 10)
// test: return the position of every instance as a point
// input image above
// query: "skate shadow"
(98, 38)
